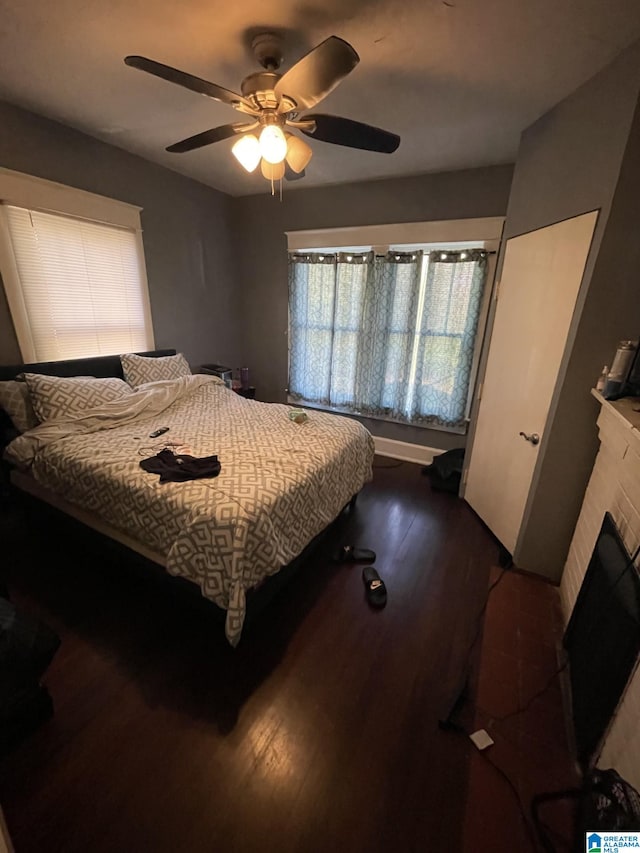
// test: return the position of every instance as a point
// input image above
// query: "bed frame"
(104, 367)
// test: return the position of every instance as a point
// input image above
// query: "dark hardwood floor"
(319, 732)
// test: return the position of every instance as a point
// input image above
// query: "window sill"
(337, 410)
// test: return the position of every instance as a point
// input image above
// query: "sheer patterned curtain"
(387, 336)
(388, 330)
(326, 298)
(446, 333)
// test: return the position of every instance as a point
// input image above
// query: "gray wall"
(260, 223)
(580, 157)
(193, 292)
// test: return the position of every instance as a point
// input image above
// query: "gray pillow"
(15, 400)
(55, 397)
(138, 369)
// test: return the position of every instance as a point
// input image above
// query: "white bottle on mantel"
(602, 379)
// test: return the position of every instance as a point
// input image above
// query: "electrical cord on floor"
(545, 833)
(535, 836)
(446, 721)
(526, 705)
(520, 709)
(531, 835)
(483, 610)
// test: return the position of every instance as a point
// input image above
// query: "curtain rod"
(390, 252)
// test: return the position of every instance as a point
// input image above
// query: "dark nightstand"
(249, 393)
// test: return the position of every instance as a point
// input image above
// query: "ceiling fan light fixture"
(298, 153)
(273, 145)
(247, 152)
(272, 171)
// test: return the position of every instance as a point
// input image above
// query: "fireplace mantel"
(626, 410)
(614, 487)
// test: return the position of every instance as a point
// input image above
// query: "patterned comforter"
(281, 483)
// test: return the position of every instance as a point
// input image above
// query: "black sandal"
(351, 554)
(374, 586)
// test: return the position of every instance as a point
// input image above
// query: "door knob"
(534, 438)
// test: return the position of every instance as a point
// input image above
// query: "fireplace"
(614, 487)
(602, 638)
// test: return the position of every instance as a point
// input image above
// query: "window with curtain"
(390, 336)
(80, 285)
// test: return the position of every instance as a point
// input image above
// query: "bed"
(280, 482)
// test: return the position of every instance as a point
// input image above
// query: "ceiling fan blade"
(318, 73)
(196, 84)
(207, 137)
(353, 134)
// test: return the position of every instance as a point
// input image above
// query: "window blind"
(81, 283)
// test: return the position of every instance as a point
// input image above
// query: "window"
(390, 335)
(76, 286)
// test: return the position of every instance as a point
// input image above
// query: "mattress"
(280, 484)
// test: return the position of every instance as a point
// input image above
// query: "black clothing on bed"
(178, 468)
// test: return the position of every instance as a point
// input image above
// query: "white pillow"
(138, 369)
(15, 400)
(61, 397)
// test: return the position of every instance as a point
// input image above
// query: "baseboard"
(405, 451)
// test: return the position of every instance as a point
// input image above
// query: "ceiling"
(457, 79)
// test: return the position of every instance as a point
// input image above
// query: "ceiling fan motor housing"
(258, 88)
(267, 49)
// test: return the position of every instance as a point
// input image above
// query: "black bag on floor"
(23, 707)
(445, 471)
(27, 646)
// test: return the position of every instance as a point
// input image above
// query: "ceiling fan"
(272, 103)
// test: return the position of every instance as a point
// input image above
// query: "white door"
(540, 280)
